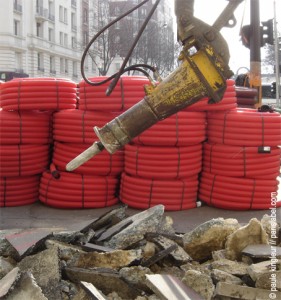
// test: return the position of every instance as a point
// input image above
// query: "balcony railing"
(73, 3)
(40, 69)
(42, 12)
(74, 28)
(51, 17)
(17, 8)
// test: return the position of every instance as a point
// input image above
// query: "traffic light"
(273, 88)
(267, 32)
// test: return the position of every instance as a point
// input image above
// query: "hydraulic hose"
(244, 127)
(31, 127)
(71, 190)
(237, 193)
(18, 191)
(143, 193)
(235, 161)
(163, 162)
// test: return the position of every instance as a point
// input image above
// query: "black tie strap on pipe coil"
(237, 193)
(30, 127)
(128, 91)
(163, 162)
(244, 127)
(181, 129)
(18, 191)
(69, 190)
(38, 94)
(241, 161)
(142, 193)
(228, 102)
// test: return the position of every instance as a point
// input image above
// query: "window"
(117, 11)
(66, 66)
(73, 42)
(75, 68)
(65, 15)
(65, 40)
(61, 38)
(51, 35)
(39, 30)
(61, 65)
(73, 22)
(61, 13)
(117, 39)
(117, 25)
(40, 62)
(16, 27)
(52, 65)
(18, 59)
(117, 66)
(85, 37)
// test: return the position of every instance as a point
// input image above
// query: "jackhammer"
(203, 72)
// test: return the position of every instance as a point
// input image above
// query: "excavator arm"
(202, 73)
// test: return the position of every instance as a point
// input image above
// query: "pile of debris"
(142, 257)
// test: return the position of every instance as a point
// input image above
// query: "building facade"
(43, 38)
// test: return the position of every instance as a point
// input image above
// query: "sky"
(209, 10)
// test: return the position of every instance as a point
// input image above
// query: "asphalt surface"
(38, 215)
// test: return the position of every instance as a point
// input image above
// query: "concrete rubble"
(141, 257)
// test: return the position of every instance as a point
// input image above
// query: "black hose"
(122, 70)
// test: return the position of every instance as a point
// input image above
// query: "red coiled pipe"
(38, 94)
(237, 193)
(143, 193)
(163, 162)
(244, 127)
(31, 127)
(76, 126)
(235, 161)
(23, 160)
(71, 190)
(103, 164)
(128, 91)
(181, 129)
(18, 191)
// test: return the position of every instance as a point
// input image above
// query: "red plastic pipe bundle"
(181, 129)
(128, 91)
(237, 193)
(76, 126)
(38, 94)
(246, 97)
(237, 161)
(18, 191)
(142, 193)
(24, 155)
(29, 127)
(228, 102)
(103, 164)
(163, 162)
(71, 190)
(244, 127)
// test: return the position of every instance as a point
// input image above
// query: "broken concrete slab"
(146, 221)
(111, 231)
(158, 256)
(112, 217)
(205, 269)
(251, 234)
(199, 282)
(244, 292)
(171, 288)
(256, 270)
(221, 276)
(27, 241)
(6, 249)
(231, 267)
(45, 268)
(89, 247)
(106, 280)
(261, 251)
(8, 282)
(115, 260)
(27, 289)
(208, 237)
(269, 280)
(136, 276)
(179, 255)
(272, 229)
(6, 265)
(92, 291)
